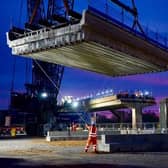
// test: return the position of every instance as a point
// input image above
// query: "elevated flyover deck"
(96, 44)
(109, 102)
(113, 103)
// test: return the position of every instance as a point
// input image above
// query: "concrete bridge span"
(98, 43)
(113, 103)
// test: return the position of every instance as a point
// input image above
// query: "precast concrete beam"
(95, 44)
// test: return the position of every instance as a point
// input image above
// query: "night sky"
(152, 13)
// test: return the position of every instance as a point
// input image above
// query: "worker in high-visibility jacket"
(92, 137)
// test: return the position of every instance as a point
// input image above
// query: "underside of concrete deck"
(95, 44)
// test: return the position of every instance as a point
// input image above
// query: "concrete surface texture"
(95, 44)
(25, 153)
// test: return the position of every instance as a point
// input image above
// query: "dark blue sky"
(152, 13)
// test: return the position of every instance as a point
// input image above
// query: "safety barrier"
(133, 143)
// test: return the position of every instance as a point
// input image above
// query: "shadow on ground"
(21, 163)
(20, 137)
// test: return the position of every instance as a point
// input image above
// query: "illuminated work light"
(44, 95)
(75, 104)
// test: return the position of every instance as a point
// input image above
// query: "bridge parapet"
(46, 38)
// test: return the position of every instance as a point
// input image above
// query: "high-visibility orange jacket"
(92, 138)
(92, 130)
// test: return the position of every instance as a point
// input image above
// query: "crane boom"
(37, 3)
(132, 11)
(35, 11)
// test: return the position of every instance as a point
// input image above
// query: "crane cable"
(83, 119)
(49, 78)
(45, 73)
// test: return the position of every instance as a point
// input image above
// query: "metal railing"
(112, 129)
(123, 19)
(119, 126)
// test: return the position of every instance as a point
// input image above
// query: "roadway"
(36, 153)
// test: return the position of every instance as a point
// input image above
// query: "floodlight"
(75, 104)
(44, 95)
(146, 93)
(69, 101)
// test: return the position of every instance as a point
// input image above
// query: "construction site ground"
(37, 153)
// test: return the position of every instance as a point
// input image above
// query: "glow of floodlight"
(44, 95)
(75, 104)
(107, 91)
(69, 101)
(62, 100)
(98, 94)
(146, 93)
(141, 93)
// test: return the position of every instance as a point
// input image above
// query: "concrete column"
(134, 118)
(164, 113)
(95, 117)
(137, 117)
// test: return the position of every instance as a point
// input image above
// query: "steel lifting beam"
(133, 10)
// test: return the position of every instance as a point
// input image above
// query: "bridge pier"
(137, 117)
(164, 113)
(115, 104)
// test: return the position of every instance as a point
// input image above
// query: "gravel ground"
(26, 153)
